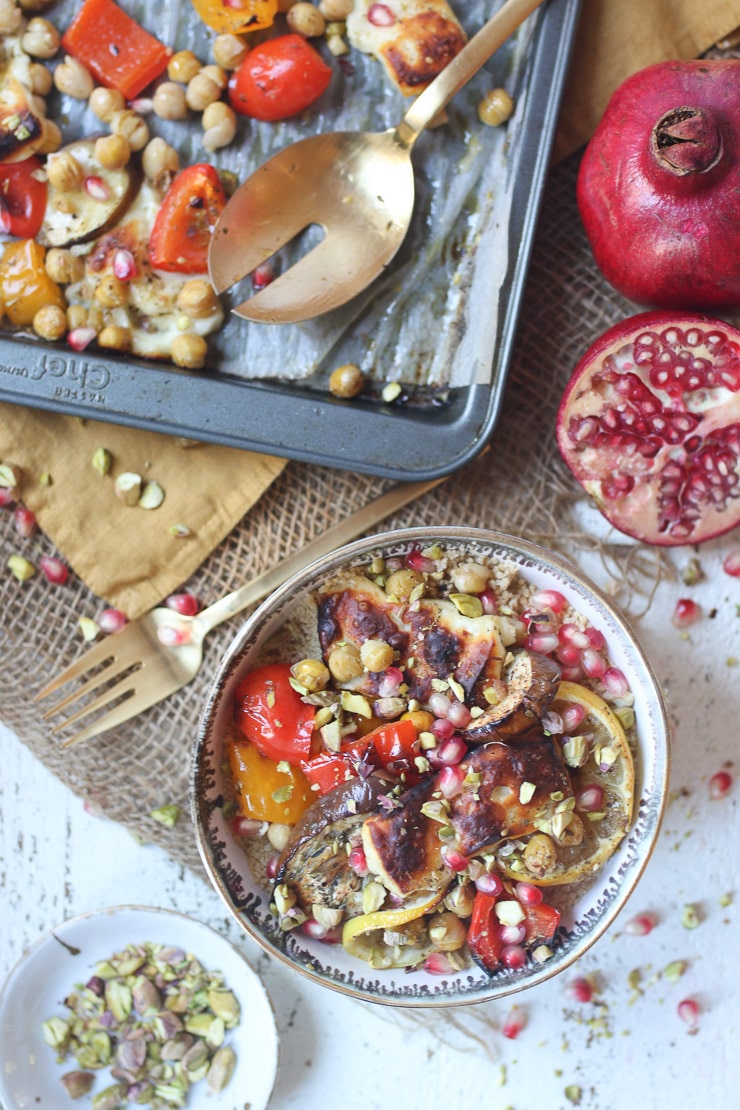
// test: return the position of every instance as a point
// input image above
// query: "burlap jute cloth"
(519, 486)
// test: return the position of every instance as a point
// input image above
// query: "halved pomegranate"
(649, 424)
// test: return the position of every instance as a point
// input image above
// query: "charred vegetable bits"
(465, 740)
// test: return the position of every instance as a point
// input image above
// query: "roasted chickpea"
(115, 338)
(471, 578)
(40, 79)
(312, 673)
(76, 316)
(169, 101)
(540, 854)
(421, 719)
(111, 292)
(447, 932)
(218, 75)
(63, 267)
(73, 79)
(131, 126)
(52, 138)
(402, 583)
(41, 38)
(160, 162)
(219, 125)
(105, 102)
(229, 51)
(64, 172)
(189, 351)
(335, 44)
(50, 322)
(495, 108)
(376, 655)
(344, 663)
(112, 151)
(346, 381)
(197, 299)
(202, 90)
(183, 66)
(306, 20)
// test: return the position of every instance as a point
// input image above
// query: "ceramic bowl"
(592, 905)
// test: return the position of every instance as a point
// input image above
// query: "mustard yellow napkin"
(617, 37)
(126, 554)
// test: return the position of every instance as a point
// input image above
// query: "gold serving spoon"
(357, 186)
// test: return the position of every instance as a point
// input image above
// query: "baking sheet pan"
(456, 319)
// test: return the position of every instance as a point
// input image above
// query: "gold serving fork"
(162, 651)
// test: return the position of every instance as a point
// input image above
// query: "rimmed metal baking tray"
(437, 424)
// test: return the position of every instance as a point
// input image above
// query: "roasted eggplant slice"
(531, 684)
(315, 863)
(103, 195)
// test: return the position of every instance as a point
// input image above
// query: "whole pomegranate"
(659, 186)
(649, 424)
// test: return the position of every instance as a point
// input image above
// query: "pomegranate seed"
(313, 929)
(263, 275)
(543, 642)
(688, 1011)
(415, 559)
(124, 265)
(24, 521)
(247, 826)
(512, 934)
(569, 655)
(514, 1024)
(528, 894)
(458, 714)
(731, 562)
(572, 634)
(596, 638)
(580, 990)
(450, 780)
(142, 105)
(592, 663)
(513, 956)
(570, 674)
(686, 612)
(489, 602)
(443, 729)
(380, 15)
(390, 682)
(437, 963)
(54, 569)
(641, 924)
(272, 865)
(450, 751)
(187, 605)
(573, 716)
(80, 338)
(453, 859)
(549, 599)
(489, 883)
(96, 187)
(591, 799)
(358, 861)
(439, 704)
(112, 620)
(615, 682)
(720, 784)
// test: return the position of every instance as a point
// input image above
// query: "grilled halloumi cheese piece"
(21, 124)
(414, 39)
(509, 791)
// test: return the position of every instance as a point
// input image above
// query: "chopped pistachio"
(180, 531)
(20, 567)
(118, 999)
(373, 896)
(111, 1098)
(46, 480)
(167, 815)
(725, 900)
(102, 461)
(152, 495)
(690, 918)
(221, 1068)
(391, 392)
(56, 1032)
(128, 487)
(526, 792)
(692, 572)
(282, 794)
(573, 1094)
(89, 629)
(77, 1083)
(355, 703)
(674, 970)
(467, 605)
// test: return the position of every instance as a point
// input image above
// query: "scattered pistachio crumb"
(180, 531)
(573, 1094)
(391, 392)
(725, 899)
(45, 479)
(88, 628)
(690, 918)
(152, 495)
(20, 567)
(674, 970)
(102, 461)
(167, 815)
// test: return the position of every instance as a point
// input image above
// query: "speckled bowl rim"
(359, 981)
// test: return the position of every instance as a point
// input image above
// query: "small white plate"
(36, 988)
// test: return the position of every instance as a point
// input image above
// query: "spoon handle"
(463, 66)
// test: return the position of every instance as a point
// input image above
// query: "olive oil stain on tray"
(440, 323)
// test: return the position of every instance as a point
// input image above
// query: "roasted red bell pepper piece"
(541, 923)
(392, 745)
(484, 939)
(185, 221)
(116, 50)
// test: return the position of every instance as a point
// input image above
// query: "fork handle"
(348, 529)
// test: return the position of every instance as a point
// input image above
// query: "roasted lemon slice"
(603, 787)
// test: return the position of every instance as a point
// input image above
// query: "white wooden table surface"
(627, 1049)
